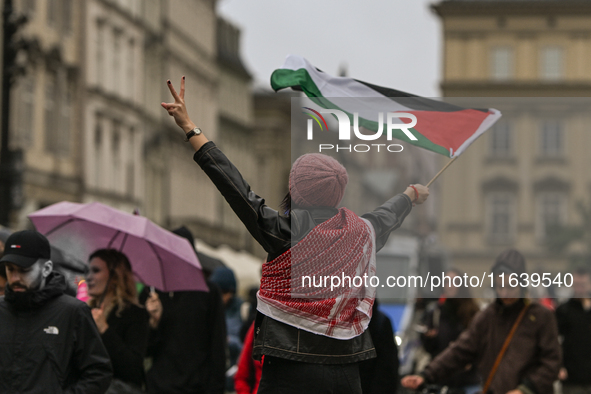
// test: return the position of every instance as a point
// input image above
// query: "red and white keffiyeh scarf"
(341, 247)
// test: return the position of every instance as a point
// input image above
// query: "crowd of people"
(129, 338)
(189, 338)
(51, 340)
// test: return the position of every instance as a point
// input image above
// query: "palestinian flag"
(441, 127)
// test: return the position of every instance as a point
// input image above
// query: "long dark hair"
(286, 204)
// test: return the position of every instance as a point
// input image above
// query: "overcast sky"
(393, 43)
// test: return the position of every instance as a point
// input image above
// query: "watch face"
(197, 130)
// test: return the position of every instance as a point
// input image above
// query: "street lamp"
(10, 160)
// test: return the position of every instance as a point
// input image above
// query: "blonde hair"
(121, 284)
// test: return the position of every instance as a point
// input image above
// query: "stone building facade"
(87, 113)
(526, 176)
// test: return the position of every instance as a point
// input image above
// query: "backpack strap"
(493, 371)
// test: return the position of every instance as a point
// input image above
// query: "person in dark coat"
(208, 263)
(574, 324)
(444, 323)
(187, 341)
(532, 360)
(380, 375)
(225, 279)
(122, 322)
(304, 351)
(49, 342)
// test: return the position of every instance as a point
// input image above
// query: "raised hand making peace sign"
(178, 111)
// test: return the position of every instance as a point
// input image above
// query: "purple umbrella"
(158, 257)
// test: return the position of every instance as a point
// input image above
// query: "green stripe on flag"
(283, 78)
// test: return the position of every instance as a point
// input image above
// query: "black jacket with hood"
(50, 344)
(276, 234)
(574, 324)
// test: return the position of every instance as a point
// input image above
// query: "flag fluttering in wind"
(440, 127)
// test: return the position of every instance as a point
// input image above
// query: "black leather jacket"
(276, 233)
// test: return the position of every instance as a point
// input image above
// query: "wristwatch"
(193, 133)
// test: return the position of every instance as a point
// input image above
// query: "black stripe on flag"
(416, 103)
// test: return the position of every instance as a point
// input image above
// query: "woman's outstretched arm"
(269, 229)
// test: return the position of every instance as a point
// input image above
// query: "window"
(98, 142)
(136, 7)
(501, 217)
(67, 15)
(116, 156)
(64, 123)
(501, 139)
(130, 179)
(51, 140)
(28, 7)
(52, 12)
(551, 138)
(551, 212)
(100, 51)
(502, 63)
(26, 110)
(552, 67)
(131, 71)
(130, 184)
(117, 61)
(58, 112)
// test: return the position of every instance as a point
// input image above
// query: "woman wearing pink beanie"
(312, 338)
(317, 180)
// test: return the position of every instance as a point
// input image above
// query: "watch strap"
(192, 133)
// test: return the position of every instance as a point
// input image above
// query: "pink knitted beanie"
(317, 180)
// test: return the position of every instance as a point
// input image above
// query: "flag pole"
(443, 169)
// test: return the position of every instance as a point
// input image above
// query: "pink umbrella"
(158, 257)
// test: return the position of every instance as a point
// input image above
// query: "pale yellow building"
(528, 173)
(46, 106)
(184, 43)
(229, 109)
(87, 116)
(115, 109)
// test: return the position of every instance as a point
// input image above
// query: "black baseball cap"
(24, 248)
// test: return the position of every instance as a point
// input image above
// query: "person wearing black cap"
(49, 342)
(513, 342)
